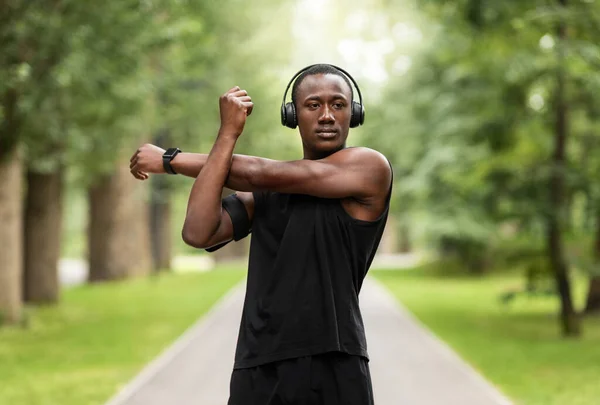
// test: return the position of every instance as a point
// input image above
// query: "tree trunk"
(592, 305)
(43, 225)
(405, 245)
(569, 320)
(119, 241)
(234, 251)
(160, 212)
(11, 230)
(593, 298)
(389, 239)
(588, 143)
(160, 224)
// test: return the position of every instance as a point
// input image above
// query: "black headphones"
(288, 110)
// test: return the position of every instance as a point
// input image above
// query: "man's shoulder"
(363, 154)
(370, 163)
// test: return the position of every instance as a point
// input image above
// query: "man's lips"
(327, 132)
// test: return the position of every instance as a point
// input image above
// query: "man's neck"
(316, 155)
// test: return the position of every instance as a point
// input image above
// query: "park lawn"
(99, 337)
(517, 347)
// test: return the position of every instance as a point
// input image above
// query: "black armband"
(239, 219)
(239, 216)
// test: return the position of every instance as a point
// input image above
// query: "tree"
(477, 154)
(11, 77)
(570, 322)
(43, 223)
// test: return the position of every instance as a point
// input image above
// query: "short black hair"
(318, 69)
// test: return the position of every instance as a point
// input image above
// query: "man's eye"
(338, 105)
(313, 105)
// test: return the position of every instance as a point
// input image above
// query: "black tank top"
(308, 260)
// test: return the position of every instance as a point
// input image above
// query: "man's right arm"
(148, 159)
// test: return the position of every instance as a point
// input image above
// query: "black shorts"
(325, 379)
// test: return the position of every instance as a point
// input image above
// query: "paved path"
(409, 365)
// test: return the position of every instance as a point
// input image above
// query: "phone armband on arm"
(239, 216)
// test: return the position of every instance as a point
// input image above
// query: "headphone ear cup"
(362, 114)
(283, 116)
(358, 115)
(288, 115)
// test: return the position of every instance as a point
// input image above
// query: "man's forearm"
(239, 178)
(189, 164)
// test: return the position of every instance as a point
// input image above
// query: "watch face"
(171, 152)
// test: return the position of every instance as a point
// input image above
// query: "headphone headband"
(333, 66)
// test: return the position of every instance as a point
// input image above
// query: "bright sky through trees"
(364, 39)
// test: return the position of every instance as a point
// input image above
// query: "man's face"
(323, 106)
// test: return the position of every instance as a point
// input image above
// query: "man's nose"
(326, 114)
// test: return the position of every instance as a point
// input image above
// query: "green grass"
(83, 350)
(517, 347)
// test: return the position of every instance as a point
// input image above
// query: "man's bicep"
(236, 220)
(348, 173)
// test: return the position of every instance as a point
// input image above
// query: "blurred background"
(488, 110)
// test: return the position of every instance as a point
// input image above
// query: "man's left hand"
(147, 159)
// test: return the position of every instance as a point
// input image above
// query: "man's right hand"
(147, 159)
(234, 106)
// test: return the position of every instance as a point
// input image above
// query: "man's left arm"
(350, 172)
(360, 173)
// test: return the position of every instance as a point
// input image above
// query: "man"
(316, 224)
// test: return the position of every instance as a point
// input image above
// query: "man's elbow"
(194, 238)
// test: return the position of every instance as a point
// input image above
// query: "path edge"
(174, 349)
(443, 348)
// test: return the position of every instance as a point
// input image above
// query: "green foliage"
(469, 127)
(69, 66)
(93, 80)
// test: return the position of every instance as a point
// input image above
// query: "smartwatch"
(167, 157)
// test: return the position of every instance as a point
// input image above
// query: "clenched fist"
(147, 159)
(234, 106)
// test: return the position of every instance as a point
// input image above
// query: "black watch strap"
(167, 157)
